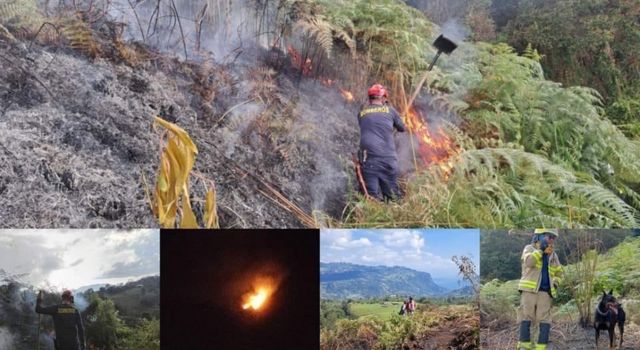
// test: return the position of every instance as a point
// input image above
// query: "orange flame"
(261, 291)
(305, 66)
(257, 299)
(347, 95)
(302, 63)
(434, 146)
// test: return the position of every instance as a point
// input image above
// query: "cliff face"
(342, 281)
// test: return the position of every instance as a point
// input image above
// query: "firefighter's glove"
(548, 250)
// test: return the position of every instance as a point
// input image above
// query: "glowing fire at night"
(256, 300)
(261, 291)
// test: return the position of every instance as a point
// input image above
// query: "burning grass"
(434, 145)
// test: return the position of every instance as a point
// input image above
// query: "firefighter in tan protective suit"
(541, 274)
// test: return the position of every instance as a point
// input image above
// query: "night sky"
(205, 273)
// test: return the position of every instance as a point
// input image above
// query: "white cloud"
(367, 258)
(406, 248)
(342, 240)
(404, 238)
(76, 258)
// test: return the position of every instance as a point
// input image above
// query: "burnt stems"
(77, 161)
(77, 137)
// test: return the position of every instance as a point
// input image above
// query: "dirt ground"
(452, 336)
(564, 336)
(458, 331)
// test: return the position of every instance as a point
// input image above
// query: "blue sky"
(428, 250)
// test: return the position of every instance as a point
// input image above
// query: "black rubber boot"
(525, 335)
(543, 337)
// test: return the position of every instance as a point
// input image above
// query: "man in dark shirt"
(377, 122)
(66, 321)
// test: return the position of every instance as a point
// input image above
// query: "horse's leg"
(621, 327)
(597, 336)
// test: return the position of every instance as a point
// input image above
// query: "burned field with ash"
(79, 146)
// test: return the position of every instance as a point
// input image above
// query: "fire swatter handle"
(434, 60)
(38, 337)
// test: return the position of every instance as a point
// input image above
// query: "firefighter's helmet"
(67, 295)
(542, 231)
(539, 233)
(377, 90)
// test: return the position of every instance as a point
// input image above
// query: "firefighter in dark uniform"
(377, 153)
(66, 321)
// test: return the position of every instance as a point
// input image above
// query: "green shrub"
(499, 299)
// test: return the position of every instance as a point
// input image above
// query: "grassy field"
(382, 311)
(431, 327)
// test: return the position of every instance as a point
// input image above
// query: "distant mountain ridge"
(345, 280)
(139, 298)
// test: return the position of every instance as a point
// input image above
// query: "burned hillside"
(80, 148)
(268, 92)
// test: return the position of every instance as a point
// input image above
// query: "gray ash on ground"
(76, 138)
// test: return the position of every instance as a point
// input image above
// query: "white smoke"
(455, 31)
(80, 302)
(47, 340)
(6, 339)
(226, 28)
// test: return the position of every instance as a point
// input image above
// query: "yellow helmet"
(542, 231)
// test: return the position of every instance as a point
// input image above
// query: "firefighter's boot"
(525, 336)
(543, 337)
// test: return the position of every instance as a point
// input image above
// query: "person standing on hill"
(377, 153)
(411, 306)
(541, 274)
(66, 321)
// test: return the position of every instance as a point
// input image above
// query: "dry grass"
(565, 335)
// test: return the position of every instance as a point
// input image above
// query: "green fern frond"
(600, 198)
(320, 31)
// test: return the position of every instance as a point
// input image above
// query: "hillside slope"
(77, 137)
(342, 281)
(492, 142)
